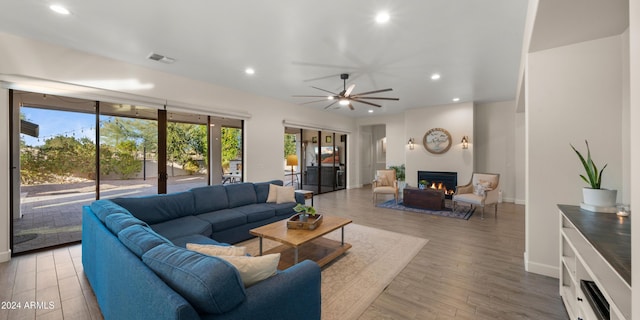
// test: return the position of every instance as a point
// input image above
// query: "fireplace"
(440, 180)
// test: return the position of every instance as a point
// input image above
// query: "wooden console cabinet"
(595, 248)
(423, 198)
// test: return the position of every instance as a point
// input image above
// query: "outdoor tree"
(231, 145)
(289, 144)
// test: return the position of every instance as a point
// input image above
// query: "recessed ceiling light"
(455, 99)
(382, 17)
(370, 111)
(435, 76)
(59, 9)
(249, 71)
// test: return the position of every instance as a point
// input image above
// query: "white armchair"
(385, 183)
(483, 190)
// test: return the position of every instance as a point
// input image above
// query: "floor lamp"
(292, 160)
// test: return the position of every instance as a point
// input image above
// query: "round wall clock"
(437, 140)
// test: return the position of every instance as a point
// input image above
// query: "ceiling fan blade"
(327, 107)
(370, 92)
(366, 102)
(313, 101)
(348, 91)
(350, 106)
(301, 96)
(332, 93)
(377, 98)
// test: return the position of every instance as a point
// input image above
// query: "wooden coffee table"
(299, 244)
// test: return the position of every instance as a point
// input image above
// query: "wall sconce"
(410, 142)
(465, 142)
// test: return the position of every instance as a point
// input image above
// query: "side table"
(307, 195)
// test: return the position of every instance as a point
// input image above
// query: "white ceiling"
(295, 44)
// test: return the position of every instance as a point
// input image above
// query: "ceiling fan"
(346, 96)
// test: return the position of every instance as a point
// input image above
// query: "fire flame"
(441, 186)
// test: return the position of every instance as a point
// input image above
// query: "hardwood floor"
(470, 269)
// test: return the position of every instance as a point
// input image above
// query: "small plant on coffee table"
(304, 209)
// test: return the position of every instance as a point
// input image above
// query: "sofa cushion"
(224, 219)
(282, 209)
(262, 189)
(194, 238)
(217, 250)
(102, 208)
(118, 221)
(210, 198)
(159, 208)
(257, 212)
(181, 227)
(241, 194)
(210, 284)
(140, 239)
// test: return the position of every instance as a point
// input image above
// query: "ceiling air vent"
(161, 58)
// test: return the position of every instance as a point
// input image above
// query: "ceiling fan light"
(330, 97)
(382, 17)
(344, 102)
(59, 9)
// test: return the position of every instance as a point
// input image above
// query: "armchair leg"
(495, 210)
(482, 215)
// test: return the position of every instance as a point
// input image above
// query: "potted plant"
(594, 197)
(400, 175)
(304, 211)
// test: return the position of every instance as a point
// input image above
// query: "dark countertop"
(609, 234)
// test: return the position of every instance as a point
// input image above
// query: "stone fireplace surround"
(449, 179)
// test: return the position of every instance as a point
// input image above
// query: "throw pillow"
(214, 250)
(488, 185)
(383, 181)
(478, 190)
(273, 193)
(286, 194)
(254, 269)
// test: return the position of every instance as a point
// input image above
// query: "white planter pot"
(599, 199)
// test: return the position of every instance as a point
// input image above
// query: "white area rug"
(353, 281)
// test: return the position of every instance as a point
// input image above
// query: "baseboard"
(513, 200)
(539, 268)
(5, 256)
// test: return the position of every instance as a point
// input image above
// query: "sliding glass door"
(68, 152)
(56, 161)
(321, 158)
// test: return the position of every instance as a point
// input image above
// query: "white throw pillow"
(488, 185)
(478, 190)
(215, 250)
(254, 269)
(273, 193)
(286, 194)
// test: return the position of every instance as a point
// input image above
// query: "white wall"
(396, 142)
(520, 158)
(5, 253)
(455, 118)
(573, 93)
(264, 130)
(495, 145)
(634, 117)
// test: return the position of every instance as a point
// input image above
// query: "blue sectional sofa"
(134, 256)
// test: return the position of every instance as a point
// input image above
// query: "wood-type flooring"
(470, 269)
